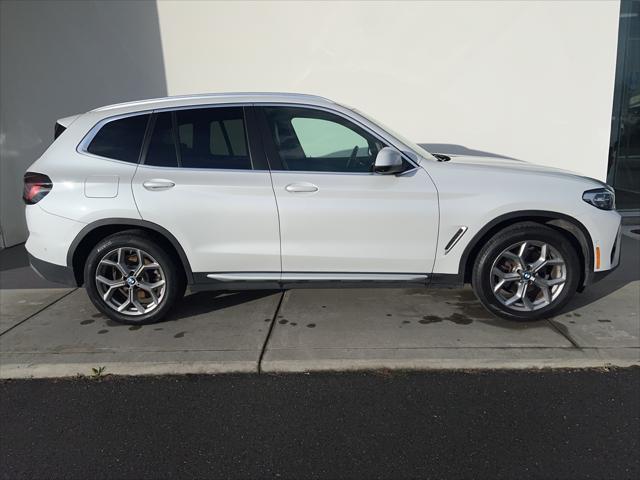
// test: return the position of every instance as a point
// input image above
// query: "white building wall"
(529, 80)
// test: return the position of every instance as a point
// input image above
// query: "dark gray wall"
(58, 58)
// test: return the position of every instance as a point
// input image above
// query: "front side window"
(120, 139)
(317, 141)
(213, 138)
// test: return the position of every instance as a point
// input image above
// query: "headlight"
(601, 198)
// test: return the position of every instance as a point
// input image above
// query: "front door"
(337, 217)
(201, 180)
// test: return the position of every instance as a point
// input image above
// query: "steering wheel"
(354, 153)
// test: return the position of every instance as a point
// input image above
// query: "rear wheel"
(131, 279)
(526, 272)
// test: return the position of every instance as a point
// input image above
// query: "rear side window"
(212, 138)
(120, 139)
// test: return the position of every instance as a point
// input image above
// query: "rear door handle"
(158, 184)
(301, 187)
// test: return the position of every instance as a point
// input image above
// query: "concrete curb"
(451, 359)
(62, 370)
(341, 360)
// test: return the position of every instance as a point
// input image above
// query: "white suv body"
(284, 190)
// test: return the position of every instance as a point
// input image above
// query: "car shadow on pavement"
(469, 310)
(199, 303)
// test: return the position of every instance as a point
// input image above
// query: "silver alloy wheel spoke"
(121, 261)
(522, 290)
(528, 275)
(136, 302)
(130, 281)
(542, 260)
(521, 252)
(111, 283)
(541, 282)
(546, 294)
(505, 277)
(115, 265)
(146, 266)
(126, 303)
(150, 288)
(514, 257)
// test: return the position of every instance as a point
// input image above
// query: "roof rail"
(209, 95)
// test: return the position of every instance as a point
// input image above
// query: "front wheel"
(526, 272)
(131, 279)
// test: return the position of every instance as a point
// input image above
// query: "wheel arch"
(95, 231)
(573, 229)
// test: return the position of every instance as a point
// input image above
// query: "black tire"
(491, 252)
(174, 285)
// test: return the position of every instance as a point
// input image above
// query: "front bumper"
(52, 272)
(614, 260)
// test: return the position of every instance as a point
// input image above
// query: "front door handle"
(158, 184)
(301, 187)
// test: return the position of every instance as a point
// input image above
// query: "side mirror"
(388, 161)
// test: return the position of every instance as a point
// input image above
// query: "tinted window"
(212, 138)
(57, 130)
(313, 140)
(120, 139)
(162, 148)
(324, 138)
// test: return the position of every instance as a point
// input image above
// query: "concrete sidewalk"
(47, 331)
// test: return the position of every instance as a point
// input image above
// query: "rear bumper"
(52, 272)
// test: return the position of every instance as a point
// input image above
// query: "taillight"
(36, 187)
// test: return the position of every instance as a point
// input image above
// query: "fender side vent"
(456, 237)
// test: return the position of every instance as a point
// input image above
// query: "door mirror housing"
(388, 162)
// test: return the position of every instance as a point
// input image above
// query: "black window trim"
(82, 147)
(274, 160)
(255, 133)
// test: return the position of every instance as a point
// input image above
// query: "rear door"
(202, 179)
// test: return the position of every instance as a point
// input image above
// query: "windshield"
(417, 149)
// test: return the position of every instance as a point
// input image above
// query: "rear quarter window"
(120, 139)
(57, 130)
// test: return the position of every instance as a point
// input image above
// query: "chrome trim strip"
(318, 276)
(455, 239)
(244, 277)
(358, 277)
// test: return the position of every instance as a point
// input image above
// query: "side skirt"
(295, 280)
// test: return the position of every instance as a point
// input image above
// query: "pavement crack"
(564, 331)
(271, 326)
(37, 312)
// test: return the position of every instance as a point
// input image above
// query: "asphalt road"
(494, 424)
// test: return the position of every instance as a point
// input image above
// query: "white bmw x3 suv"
(250, 191)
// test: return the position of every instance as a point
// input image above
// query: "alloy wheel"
(130, 281)
(528, 275)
